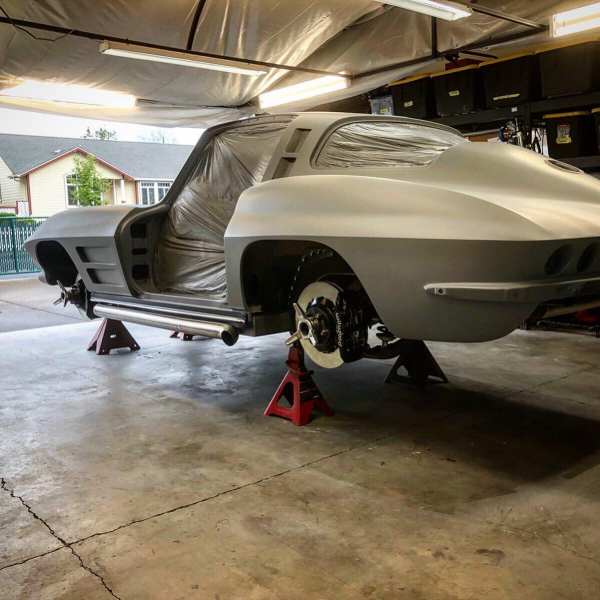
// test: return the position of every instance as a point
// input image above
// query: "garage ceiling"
(356, 36)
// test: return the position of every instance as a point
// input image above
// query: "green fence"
(13, 233)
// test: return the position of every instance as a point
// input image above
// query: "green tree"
(88, 183)
(100, 134)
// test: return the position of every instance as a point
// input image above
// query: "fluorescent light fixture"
(182, 59)
(61, 92)
(301, 91)
(449, 11)
(576, 20)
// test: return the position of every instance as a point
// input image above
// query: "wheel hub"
(319, 324)
(316, 324)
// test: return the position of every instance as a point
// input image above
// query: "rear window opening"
(381, 144)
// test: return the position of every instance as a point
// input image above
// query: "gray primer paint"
(482, 219)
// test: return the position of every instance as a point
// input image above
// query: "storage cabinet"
(509, 81)
(457, 91)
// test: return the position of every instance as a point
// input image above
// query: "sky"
(32, 123)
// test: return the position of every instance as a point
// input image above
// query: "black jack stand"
(419, 364)
(112, 335)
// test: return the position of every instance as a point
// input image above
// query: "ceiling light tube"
(576, 20)
(182, 59)
(301, 91)
(449, 11)
(61, 92)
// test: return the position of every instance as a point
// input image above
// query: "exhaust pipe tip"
(230, 336)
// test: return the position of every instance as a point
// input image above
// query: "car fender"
(89, 237)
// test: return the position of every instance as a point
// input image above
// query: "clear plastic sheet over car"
(380, 144)
(190, 256)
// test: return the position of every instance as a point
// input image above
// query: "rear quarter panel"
(398, 236)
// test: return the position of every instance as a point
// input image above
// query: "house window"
(162, 187)
(152, 192)
(72, 185)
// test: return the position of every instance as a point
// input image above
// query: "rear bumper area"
(525, 292)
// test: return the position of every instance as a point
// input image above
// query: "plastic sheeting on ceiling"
(270, 30)
(392, 35)
(352, 35)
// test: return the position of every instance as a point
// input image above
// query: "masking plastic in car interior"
(190, 256)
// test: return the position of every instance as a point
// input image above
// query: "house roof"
(139, 160)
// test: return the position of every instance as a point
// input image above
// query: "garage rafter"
(504, 16)
(193, 28)
(466, 49)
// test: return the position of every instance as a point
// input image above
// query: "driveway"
(26, 303)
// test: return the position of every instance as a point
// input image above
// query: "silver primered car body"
(460, 250)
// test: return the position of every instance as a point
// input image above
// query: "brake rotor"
(316, 323)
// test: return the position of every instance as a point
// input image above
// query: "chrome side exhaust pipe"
(227, 333)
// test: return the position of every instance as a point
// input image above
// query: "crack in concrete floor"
(30, 558)
(65, 544)
(69, 545)
(536, 536)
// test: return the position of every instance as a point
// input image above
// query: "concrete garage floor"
(154, 475)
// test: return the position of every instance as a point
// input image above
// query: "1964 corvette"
(350, 231)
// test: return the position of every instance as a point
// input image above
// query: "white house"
(36, 172)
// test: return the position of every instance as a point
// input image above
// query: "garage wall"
(11, 190)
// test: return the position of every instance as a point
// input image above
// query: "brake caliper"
(351, 327)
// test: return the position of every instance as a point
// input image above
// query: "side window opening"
(380, 144)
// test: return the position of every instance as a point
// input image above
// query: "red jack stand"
(112, 335)
(299, 389)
